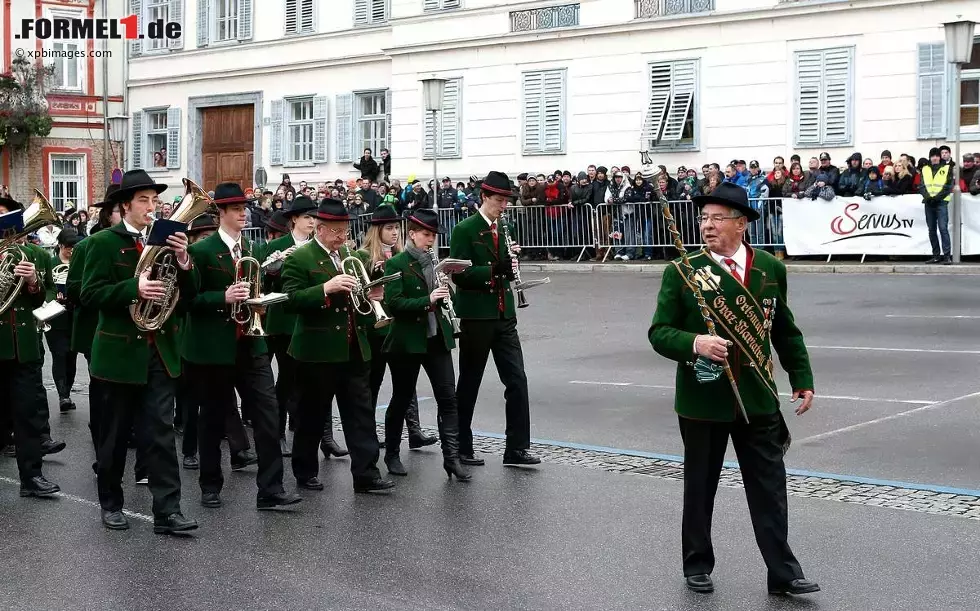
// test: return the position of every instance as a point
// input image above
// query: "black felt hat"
(228, 193)
(68, 237)
(332, 210)
(133, 181)
(204, 222)
(426, 218)
(301, 205)
(278, 222)
(385, 214)
(11, 204)
(730, 195)
(497, 182)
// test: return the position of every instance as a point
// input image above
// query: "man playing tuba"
(139, 367)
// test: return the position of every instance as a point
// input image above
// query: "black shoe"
(39, 487)
(329, 447)
(192, 463)
(373, 485)
(395, 466)
(471, 459)
(114, 520)
(418, 439)
(520, 457)
(797, 586)
(66, 405)
(242, 459)
(280, 499)
(49, 446)
(174, 524)
(211, 499)
(948, 260)
(310, 483)
(453, 467)
(934, 259)
(284, 448)
(700, 583)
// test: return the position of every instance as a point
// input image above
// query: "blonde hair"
(374, 246)
(902, 168)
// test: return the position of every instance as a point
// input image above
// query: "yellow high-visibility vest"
(935, 183)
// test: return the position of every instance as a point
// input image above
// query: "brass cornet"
(241, 312)
(353, 266)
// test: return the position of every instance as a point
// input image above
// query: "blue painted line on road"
(734, 465)
(382, 408)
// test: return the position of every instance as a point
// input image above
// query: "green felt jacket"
(320, 335)
(478, 290)
(120, 350)
(277, 320)
(407, 301)
(84, 320)
(20, 339)
(677, 321)
(209, 335)
(62, 322)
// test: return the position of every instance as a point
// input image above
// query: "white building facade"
(535, 86)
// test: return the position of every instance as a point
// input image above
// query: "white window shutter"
(553, 129)
(344, 109)
(931, 91)
(451, 112)
(203, 27)
(361, 13)
(683, 87)
(292, 16)
(173, 138)
(244, 19)
(136, 8)
(387, 122)
(379, 11)
(320, 129)
(533, 112)
(136, 143)
(451, 3)
(276, 132)
(307, 16)
(837, 96)
(809, 91)
(176, 15)
(431, 5)
(429, 136)
(653, 121)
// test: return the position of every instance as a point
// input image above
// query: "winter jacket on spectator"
(793, 187)
(369, 168)
(892, 186)
(849, 183)
(639, 193)
(687, 189)
(581, 194)
(756, 187)
(872, 187)
(371, 199)
(833, 174)
(966, 176)
(599, 188)
(816, 190)
(947, 187)
(975, 185)
(386, 166)
(447, 198)
(416, 200)
(616, 191)
(532, 194)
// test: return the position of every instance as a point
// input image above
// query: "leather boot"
(449, 433)
(416, 437)
(328, 446)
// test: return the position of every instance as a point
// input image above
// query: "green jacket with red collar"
(740, 314)
(20, 339)
(478, 291)
(407, 301)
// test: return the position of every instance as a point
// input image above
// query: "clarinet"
(508, 242)
(447, 303)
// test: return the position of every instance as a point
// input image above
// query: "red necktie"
(496, 240)
(731, 267)
(139, 244)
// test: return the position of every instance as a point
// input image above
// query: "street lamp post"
(117, 126)
(432, 91)
(959, 47)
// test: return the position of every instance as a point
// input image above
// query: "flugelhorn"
(38, 214)
(353, 266)
(242, 313)
(519, 285)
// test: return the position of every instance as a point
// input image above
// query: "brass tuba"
(38, 214)
(353, 266)
(161, 262)
(241, 312)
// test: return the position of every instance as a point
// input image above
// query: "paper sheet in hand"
(11, 223)
(453, 266)
(48, 311)
(267, 300)
(163, 229)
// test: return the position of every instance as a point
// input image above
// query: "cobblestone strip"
(843, 491)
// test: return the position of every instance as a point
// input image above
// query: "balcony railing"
(665, 8)
(563, 16)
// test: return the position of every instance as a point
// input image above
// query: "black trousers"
(477, 340)
(758, 445)
(379, 361)
(319, 383)
(438, 365)
(19, 398)
(251, 376)
(63, 361)
(150, 407)
(188, 410)
(286, 391)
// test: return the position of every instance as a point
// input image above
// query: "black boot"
(394, 464)
(416, 436)
(449, 433)
(328, 446)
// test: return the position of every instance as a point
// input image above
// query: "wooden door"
(227, 146)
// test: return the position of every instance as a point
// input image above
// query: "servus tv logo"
(850, 225)
(63, 28)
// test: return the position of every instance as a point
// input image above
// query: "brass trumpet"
(353, 266)
(38, 214)
(241, 312)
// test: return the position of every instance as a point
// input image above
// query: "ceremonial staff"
(706, 371)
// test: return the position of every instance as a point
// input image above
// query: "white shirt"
(331, 253)
(298, 241)
(231, 242)
(485, 217)
(134, 230)
(739, 257)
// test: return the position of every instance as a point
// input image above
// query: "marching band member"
(279, 323)
(488, 320)
(421, 337)
(709, 412)
(332, 352)
(381, 243)
(23, 401)
(138, 367)
(63, 358)
(276, 226)
(224, 359)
